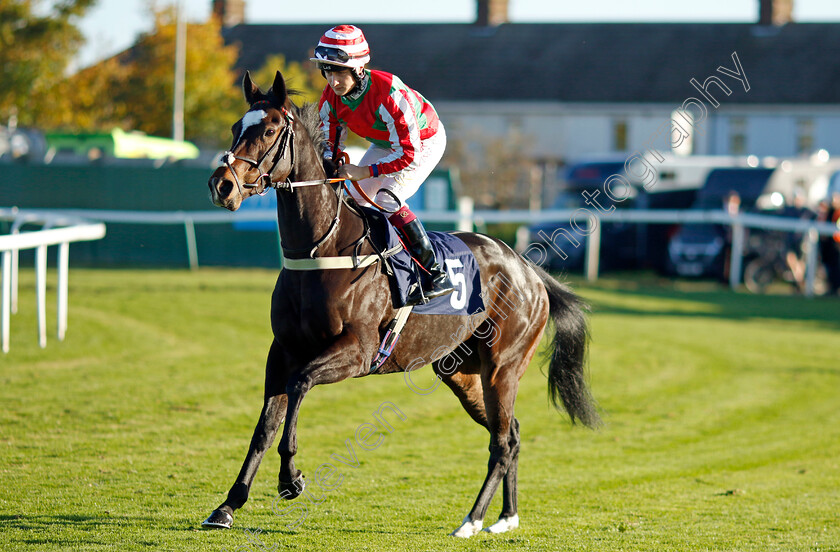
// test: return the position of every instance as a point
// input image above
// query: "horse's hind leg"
(504, 361)
(499, 419)
(509, 518)
(467, 385)
(273, 412)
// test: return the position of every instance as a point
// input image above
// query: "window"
(804, 136)
(737, 136)
(620, 135)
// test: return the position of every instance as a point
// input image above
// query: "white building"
(577, 89)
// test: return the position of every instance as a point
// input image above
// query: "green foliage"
(135, 89)
(303, 78)
(722, 429)
(86, 101)
(35, 50)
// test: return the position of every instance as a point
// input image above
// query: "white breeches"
(404, 183)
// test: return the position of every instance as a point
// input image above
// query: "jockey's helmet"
(340, 47)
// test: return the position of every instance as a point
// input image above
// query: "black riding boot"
(421, 248)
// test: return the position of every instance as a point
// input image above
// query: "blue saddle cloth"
(452, 254)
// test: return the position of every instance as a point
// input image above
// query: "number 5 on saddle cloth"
(454, 255)
(451, 252)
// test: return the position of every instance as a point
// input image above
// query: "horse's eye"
(270, 132)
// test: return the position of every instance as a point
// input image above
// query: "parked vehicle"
(623, 245)
(806, 179)
(700, 249)
(20, 144)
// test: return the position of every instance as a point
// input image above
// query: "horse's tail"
(566, 369)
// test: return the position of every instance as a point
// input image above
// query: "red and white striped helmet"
(343, 45)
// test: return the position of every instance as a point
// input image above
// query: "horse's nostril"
(225, 188)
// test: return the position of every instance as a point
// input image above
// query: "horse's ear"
(279, 88)
(252, 91)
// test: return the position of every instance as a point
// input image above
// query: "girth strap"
(328, 263)
(331, 263)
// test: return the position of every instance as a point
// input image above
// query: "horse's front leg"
(274, 408)
(342, 360)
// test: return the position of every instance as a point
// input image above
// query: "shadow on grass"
(703, 299)
(46, 529)
(19, 521)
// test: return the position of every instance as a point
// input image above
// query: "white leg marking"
(504, 524)
(467, 529)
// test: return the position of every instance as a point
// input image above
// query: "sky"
(113, 25)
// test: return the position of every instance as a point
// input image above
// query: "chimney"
(492, 13)
(775, 12)
(229, 12)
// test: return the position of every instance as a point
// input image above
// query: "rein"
(284, 145)
(331, 263)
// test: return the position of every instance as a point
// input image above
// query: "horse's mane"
(308, 115)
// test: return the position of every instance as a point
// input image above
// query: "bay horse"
(327, 324)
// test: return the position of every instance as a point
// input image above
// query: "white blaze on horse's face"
(250, 119)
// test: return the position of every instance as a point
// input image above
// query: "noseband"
(283, 144)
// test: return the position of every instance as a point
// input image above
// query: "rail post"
(736, 258)
(41, 292)
(62, 288)
(7, 300)
(593, 248)
(811, 261)
(192, 247)
(465, 214)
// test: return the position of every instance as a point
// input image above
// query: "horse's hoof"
(504, 524)
(467, 529)
(292, 489)
(219, 519)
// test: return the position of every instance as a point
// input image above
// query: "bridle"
(284, 145)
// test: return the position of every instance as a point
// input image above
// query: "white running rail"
(466, 218)
(56, 230)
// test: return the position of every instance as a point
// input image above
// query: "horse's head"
(262, 149)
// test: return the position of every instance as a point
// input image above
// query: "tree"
(306, 80)
(211, 103)
(87, 101)
(35, 51)
(496, 172)
(134, 90)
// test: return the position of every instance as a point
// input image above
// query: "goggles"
(335, 55)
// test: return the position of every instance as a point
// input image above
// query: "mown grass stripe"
(722, 432)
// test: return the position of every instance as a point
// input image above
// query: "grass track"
(722, 411)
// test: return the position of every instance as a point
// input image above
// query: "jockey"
(407, 140)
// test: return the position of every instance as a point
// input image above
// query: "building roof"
(798, 63)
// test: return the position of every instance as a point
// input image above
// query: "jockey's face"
(341, 82)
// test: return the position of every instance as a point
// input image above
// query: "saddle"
(404, 272)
